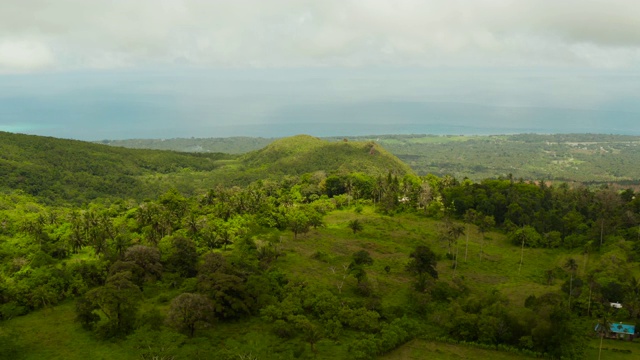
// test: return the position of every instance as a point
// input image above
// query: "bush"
(321, 256)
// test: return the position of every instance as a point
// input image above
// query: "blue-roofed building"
(621, 331)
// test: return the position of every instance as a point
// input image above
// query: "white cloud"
(23, 56)
(71, 34)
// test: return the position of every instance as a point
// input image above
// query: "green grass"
(433, 350)
(52, 334)
(609, 348)
(424, 349)
(390, 239)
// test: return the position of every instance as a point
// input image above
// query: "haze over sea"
(320, 102)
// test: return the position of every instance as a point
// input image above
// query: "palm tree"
(455, 231)
(355, 225)
(591, 278)
(572, 266)
(603, 328)
(469, 216)
(585, 251)
(484, 223)
(633, 295)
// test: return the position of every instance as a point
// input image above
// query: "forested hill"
(76, 171)
(69, 171)
(303, 154)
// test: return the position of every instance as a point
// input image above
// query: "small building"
(620, 331)
(616, 305)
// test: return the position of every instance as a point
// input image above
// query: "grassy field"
(52, 334)
(391, 239)
(321, 257)
(423, 349)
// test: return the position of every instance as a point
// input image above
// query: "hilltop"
(303, 153)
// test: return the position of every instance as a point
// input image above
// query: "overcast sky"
(166, 68)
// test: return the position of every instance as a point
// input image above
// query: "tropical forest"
(387, 247)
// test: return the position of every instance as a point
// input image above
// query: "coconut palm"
(603, 328)
(572, 266)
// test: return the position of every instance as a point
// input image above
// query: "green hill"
(59, 170)
(303, 154)
(76, 171)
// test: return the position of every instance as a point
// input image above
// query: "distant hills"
(60, 170)
(69, 171)
(589, 158)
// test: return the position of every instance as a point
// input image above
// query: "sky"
(121, 69)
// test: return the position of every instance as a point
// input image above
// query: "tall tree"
(189, 311)
(484, 224)
(572, 266)
(298, 223)
(470, 216)
(603, 328)
(422, 265)
(118, 300)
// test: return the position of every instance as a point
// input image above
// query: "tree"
(298, 223)
(525, 235)
(609, 203)
(117, 300)
(572, 266)
(85, 313)
(484, 224)
(632, 296)
(359, 273)
(311, 334)
(422, 265)
(184, 256)
(603, 328)
(470, 216)
(591, 279)
(188, 312)
(148, 258)
(450, 232)
(362, 257)
(355, 225)
(224, 285)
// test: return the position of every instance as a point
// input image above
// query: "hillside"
(59, 170)
(76, 171)
(303, 154)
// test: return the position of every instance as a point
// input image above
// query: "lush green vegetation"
(587, 158)
(320, 259)
(59, 171)
(67, 171)
(567, 157)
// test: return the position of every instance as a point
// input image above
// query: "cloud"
(77, 34)
(24, 56)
